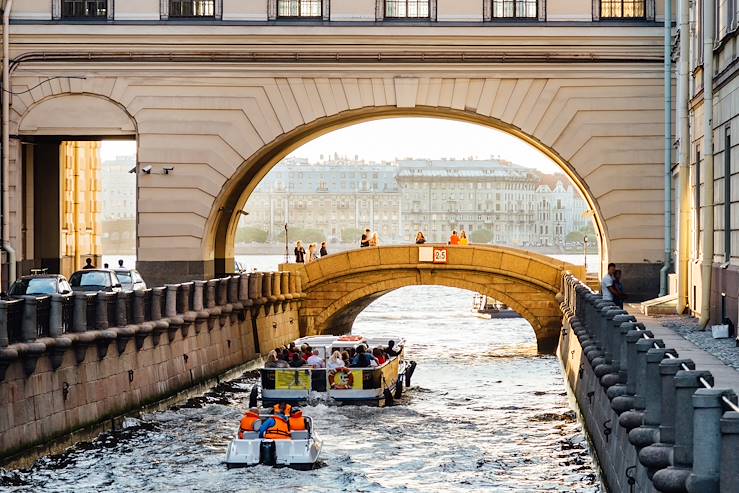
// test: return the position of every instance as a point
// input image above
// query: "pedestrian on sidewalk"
(608, 289)
(619, 287)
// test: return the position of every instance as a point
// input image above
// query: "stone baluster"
(299, 284)
(707, 410)
(29, 327)
(170, 304)
(648, 432)
(121, 308)
(244, 288)
(139, 311)
(79, 315)
(101, 311)
(729, 451)
(255, 287)
(285, 285)
(56, 315)
(198, 295)
(4, 337)
(233, 289)
(183, 304)
(210, 294)
(267, 286)
(277, 286)
(222, 292)
(156, 303)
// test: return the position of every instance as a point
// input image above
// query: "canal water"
(484, 413)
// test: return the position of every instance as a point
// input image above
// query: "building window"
(725, 18)
(697, 201)
(407, 9)
(515, 9)
(623, 9)
(299, 8)
(191, 8)
(84, 9)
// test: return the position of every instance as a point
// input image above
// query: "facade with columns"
(216, 92)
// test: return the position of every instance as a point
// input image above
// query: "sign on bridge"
(436, 255)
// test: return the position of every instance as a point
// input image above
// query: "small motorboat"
(486, 307)
(300, 451)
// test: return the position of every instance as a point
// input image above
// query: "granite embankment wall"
(81, 362)
(655, 421)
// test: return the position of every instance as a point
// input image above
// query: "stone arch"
(338, 287)
(224, 216)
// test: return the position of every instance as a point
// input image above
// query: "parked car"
(40, 285)
(130, 279)
(94, 280)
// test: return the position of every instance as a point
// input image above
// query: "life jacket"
(247, 423)
(297, 421)
(279, 431)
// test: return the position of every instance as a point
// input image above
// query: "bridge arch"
(224, 216)
(338, 287)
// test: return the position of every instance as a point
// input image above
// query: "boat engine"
(267, 454)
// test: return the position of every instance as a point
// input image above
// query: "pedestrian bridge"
(338, 287)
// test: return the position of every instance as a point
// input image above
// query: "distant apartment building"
(118, 215)
(517, 205)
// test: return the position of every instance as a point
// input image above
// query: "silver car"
(130, 279)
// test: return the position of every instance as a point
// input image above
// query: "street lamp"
(585, 252)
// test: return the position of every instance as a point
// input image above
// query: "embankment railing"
(686, 430)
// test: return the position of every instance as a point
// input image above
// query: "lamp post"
(287, 250)
(585, 252)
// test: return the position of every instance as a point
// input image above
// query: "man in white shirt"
(314, 360)
(607, 285)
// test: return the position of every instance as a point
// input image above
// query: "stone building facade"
(519, 206)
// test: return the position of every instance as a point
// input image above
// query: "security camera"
(132, 170)
(167, 169)
(146, 169)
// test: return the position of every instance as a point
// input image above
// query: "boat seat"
(300, 435)
(251, 435)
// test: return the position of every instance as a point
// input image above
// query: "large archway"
(225, 214)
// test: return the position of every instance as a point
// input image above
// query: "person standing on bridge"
(454, 239)
(299, 253)
(312, 252)
(608, 288)
(324, 251)
(374, 240)
(420, 239)
(463, 240)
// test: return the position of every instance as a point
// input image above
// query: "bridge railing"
(686, 431)
(36, 325)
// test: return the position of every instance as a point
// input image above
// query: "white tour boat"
(300, 451)
(378, 385)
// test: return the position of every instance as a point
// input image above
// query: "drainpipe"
(663, 288)
(707, 254)
(684, 170)
(4, 236)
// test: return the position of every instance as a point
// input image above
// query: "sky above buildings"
(388, 139)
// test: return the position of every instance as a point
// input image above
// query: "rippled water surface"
(485, 413)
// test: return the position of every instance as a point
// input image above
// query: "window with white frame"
(299, 8)
(82, 9)
(407, 9)
(623, 9)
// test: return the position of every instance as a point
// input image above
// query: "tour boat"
(374, 386)
(486, 307)
(300, 451)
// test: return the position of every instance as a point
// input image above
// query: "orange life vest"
(247, 423)
(279, 431)
(297, 422)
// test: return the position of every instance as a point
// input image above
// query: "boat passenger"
(345, 358)
(292, 348)
(315, 360)
(284, 409)
(271, 360)
(336, 361)
(297, 421)
(276, 427)
(391, 351)
(296, 361)
(250, 422)
(363, 359)
(305, 351)
(379, 356)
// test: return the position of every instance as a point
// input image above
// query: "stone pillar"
(267, 286)
(156, 303)
(183, 305)
(648, 432)
(285, 284)
(198, 294)
(210, 294)
(56, 315)
(121, 309)
(276, 285)
(222, 293)
(233, 289)
(729, 451)
(243, 287)
(101, 312)
(707, 411)
(139, 312)
(29, 327)
(170, 306)
(79, 316)
(293, 282)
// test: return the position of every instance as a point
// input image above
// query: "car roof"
(93, 270)
(43, 276)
